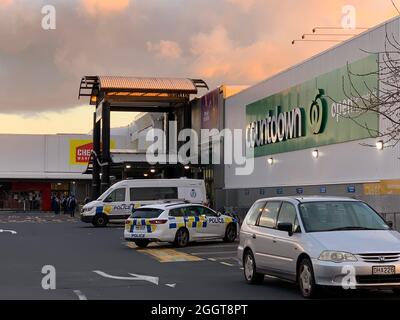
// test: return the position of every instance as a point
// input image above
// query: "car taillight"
(158, 221)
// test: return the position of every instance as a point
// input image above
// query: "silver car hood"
(360, 241)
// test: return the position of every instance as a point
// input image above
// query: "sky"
(237, 42)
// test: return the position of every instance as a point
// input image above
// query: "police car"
(178, 223)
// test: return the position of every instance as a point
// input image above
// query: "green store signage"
(313, 113)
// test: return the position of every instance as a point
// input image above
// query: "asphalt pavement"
(96, 263)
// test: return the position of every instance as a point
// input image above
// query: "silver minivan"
(319, 241)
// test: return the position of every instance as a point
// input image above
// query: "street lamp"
(128, 166)
(379, 145)
(152, 170)
(187, 167)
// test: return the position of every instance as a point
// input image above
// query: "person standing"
(65, 204)
(57, 205)
(72, 205)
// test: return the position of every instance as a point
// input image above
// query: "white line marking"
(10, 231)
(205, 253)
(80, 295)
(171, 285)
(227, 264)
(135, 277)
(241, 268)
(212, 259)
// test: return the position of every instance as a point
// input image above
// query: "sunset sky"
(221, 41)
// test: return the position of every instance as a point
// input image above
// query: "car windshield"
(340, 216)
(146, 213)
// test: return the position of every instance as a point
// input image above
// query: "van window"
(151, 193)
(254, 212)
(287, 214)
(118, 195)
(269, 215)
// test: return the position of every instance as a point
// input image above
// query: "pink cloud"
(104, 7)
(165, 48)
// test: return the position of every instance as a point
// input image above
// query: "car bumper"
(87, 219)
(151, 236)
(354, 275)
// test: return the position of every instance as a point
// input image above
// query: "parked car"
(178, 223)
(117, 202)
(319, 241)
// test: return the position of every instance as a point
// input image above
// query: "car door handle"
(254, 236)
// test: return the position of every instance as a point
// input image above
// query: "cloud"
(246, 5)
(217, 56)
(104, 7)
(165, 48)
(214, 40)
(6, 2)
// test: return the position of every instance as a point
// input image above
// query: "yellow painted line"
(165, 254)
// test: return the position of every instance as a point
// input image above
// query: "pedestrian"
(65, 205)
(57, 205)
(72, 205)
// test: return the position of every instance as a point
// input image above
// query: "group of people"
(67, 204)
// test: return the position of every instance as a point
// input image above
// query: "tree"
(384, 100)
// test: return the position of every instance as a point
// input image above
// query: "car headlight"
(337, 256)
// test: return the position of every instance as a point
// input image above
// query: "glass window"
(269, 215)
(254, 212)
(146, 213)
(191, 211)
(340, 215)
(118, 195)
(162, 193)
(206, 211)
(179, 212)
(287, 214)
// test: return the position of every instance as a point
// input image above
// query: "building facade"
(298, 127)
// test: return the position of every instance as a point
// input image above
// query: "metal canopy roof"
(138, 89)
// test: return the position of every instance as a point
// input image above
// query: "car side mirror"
(390, 224)
(286, 226)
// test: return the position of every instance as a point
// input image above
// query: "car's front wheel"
(250, 270)
(100, 220)
(230, 233)
(306, 279)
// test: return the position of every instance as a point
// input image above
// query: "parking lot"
(96, 263)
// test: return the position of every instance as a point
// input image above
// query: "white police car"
(178, 223)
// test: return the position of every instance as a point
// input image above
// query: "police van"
(119, 200)
(178, 223)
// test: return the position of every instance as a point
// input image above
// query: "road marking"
(171, 285)
(241, 268)
(134, 277)
(166, 254)
(80, 295)
(206, 253)
(212, 259)
(227, 264)
(10, 231)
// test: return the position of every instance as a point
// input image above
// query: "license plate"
(383, 270)
(140, 228)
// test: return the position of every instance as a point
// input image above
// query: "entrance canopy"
(170, 96)
(139, 94)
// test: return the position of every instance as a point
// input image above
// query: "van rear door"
(192, 194)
